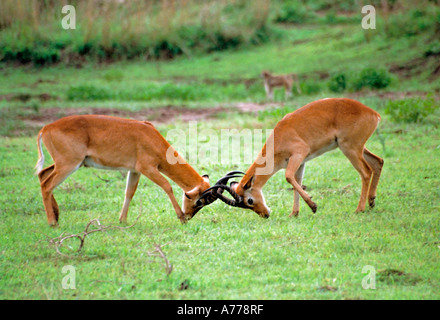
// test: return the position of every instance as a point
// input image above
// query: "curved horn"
(236, 202)
(208, 196)
(213, 193)
(229, 175)
(228, 201)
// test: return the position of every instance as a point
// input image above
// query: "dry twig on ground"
(99, 227)
(158, 252)
(95, 225)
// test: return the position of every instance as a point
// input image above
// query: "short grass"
(227, 253)
(221, 77)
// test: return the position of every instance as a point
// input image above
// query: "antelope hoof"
(372, 202)
(294, 214)
(53, 224)
(313, 206)
(184, 219)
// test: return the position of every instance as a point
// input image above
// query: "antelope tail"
(40, 163)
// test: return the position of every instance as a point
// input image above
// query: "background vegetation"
(175, 61)
(112, 30)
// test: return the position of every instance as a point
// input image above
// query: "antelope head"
(265, 74)
(192, 200)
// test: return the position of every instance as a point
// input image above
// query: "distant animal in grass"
(272, 81)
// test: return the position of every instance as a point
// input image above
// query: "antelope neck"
(183, 175)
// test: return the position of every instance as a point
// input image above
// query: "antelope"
(106, 142)
(272, 81)
(302, 135)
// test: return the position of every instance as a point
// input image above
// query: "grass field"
(225, 252)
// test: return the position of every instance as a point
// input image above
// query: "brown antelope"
(305, 134)
(106, 142)
(273, 81)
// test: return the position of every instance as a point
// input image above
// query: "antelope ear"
(206, 178)
(249, 183)
(192, 193)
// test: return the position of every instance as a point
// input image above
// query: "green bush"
(293, 12)
(84, 48)
(187, 39)
(165, 49)
(154, 32)
(411, 110)
(310, 86)
(338, 83)
(263, 34)
(39, 53)
(221, 41)
(373, 79)
(43, 56)
(433, 49)
(412, 22)
(11, 53)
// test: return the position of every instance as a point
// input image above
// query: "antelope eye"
(250, 201)
(199, 203)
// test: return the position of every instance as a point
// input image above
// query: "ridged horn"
(215, 192)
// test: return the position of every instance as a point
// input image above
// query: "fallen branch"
(96, 226)
(159, 253)
(58, 241)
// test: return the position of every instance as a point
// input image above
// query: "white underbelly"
(88, 162)
(317, 153)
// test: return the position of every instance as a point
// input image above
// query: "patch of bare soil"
(24, 97)
(416, 66)
(398, 95)
(253, 107)
(158, 115)
(32, 121)
(162, 115)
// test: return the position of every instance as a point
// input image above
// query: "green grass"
(221, 77)
(227, 253)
